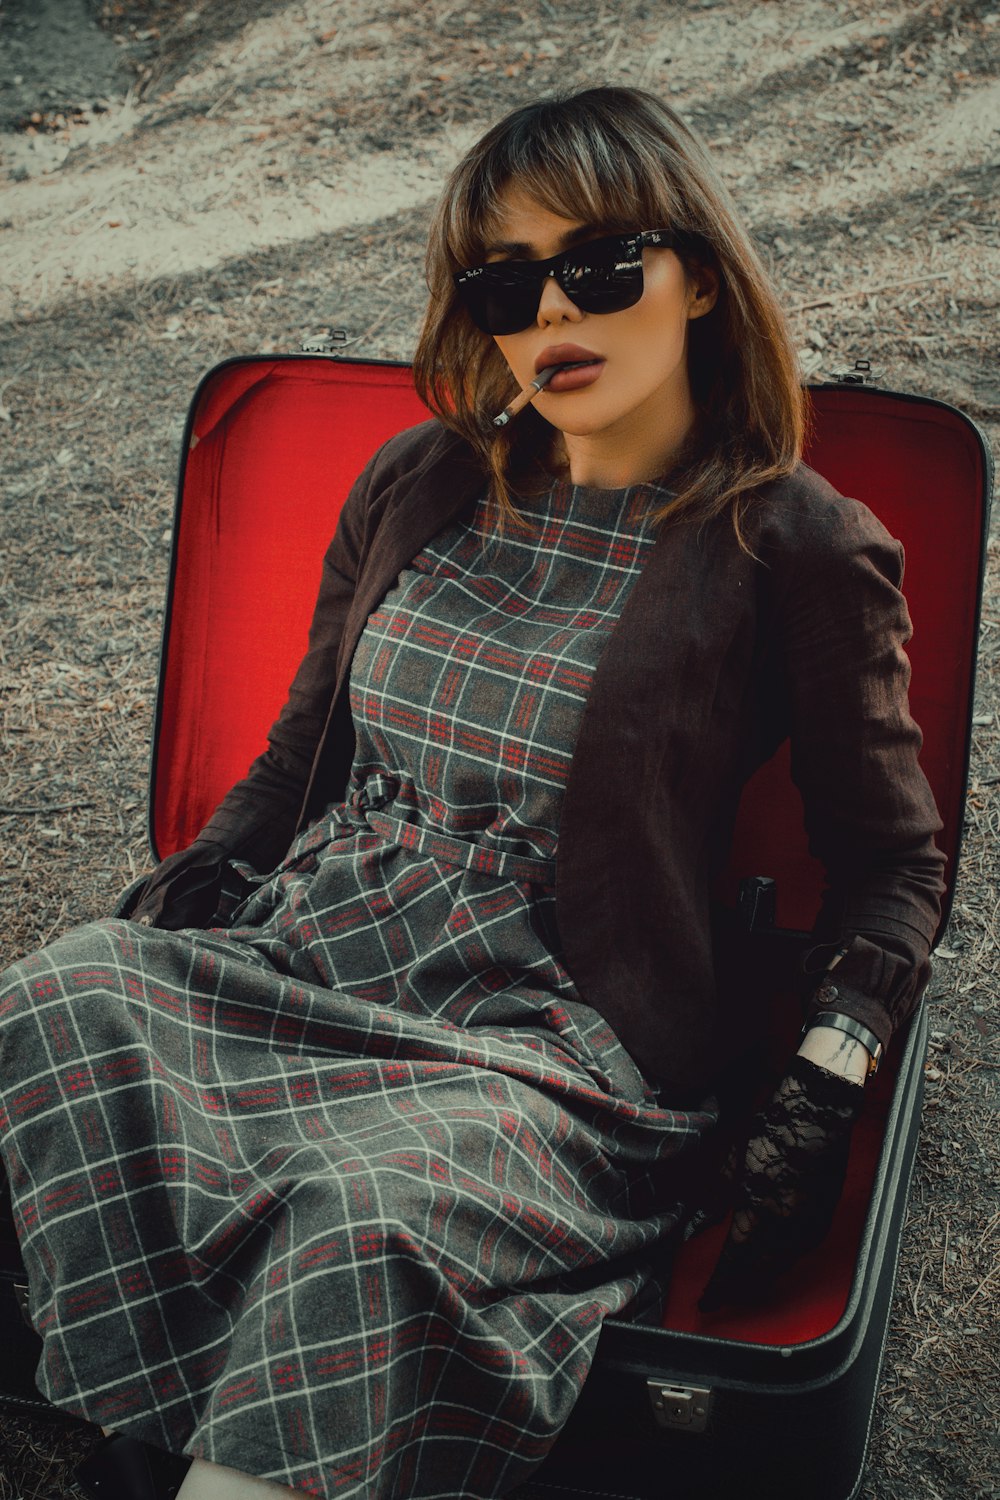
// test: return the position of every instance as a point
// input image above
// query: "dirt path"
(186, 181)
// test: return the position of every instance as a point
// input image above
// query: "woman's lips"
(565, 354)
(576, 377)
(586, 366)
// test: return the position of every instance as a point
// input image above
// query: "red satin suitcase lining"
(262, 437)
(273, 448)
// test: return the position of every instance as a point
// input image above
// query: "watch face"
(851, 1028)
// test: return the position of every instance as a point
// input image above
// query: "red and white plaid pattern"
(340, 1194)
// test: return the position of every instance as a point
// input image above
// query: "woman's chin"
(583, 424)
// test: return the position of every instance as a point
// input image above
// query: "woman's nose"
(554, 306)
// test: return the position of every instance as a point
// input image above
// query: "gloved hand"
(184, 890)
(789, 1184)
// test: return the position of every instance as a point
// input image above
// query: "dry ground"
(184, 181)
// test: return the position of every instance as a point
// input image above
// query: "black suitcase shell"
(667, 1415)
(778, 1402)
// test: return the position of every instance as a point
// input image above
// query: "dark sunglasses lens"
(605, 276)
(502, 306)
(601, 277)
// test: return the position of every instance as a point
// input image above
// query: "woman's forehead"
(520, 220)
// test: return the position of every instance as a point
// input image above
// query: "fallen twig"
(985, 1282)
(866, 291)
(8, 809)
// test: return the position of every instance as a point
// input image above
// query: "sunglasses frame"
(528, 277)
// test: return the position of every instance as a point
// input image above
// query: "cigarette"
(529, 393)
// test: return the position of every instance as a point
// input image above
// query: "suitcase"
(774, 1401)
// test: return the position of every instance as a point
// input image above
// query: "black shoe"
(121, 1468)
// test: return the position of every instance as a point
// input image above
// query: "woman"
(335, 1185)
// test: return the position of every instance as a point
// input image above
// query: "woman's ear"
(703, 290)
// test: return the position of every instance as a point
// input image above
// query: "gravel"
(185, 181)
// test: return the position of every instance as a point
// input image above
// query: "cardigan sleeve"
(256, 819)
(870, 814)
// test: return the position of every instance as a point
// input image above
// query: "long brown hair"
(617, 158)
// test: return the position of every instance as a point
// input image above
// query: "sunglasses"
(599, 276)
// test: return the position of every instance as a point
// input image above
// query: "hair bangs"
(570, 165)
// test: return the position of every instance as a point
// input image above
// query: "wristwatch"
(851, 1028)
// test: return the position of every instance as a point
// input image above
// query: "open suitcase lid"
(271, 449)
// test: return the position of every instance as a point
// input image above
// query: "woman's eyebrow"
(522, 248)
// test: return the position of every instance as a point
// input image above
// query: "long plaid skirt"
(339, 1192)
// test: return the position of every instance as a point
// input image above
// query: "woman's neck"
(642, 447)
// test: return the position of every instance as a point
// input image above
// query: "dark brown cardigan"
(717, 657)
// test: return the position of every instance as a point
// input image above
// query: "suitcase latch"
(680, 1407)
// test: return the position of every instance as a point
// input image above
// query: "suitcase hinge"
(680, 1407)
(756, 903)
(861, 374)
(327, 342)
(20, 1290)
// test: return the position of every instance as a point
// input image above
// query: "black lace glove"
(792, 1177)
(184, 889)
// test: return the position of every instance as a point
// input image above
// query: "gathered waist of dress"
(377, 794)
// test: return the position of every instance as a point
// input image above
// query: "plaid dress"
(339, 1191)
